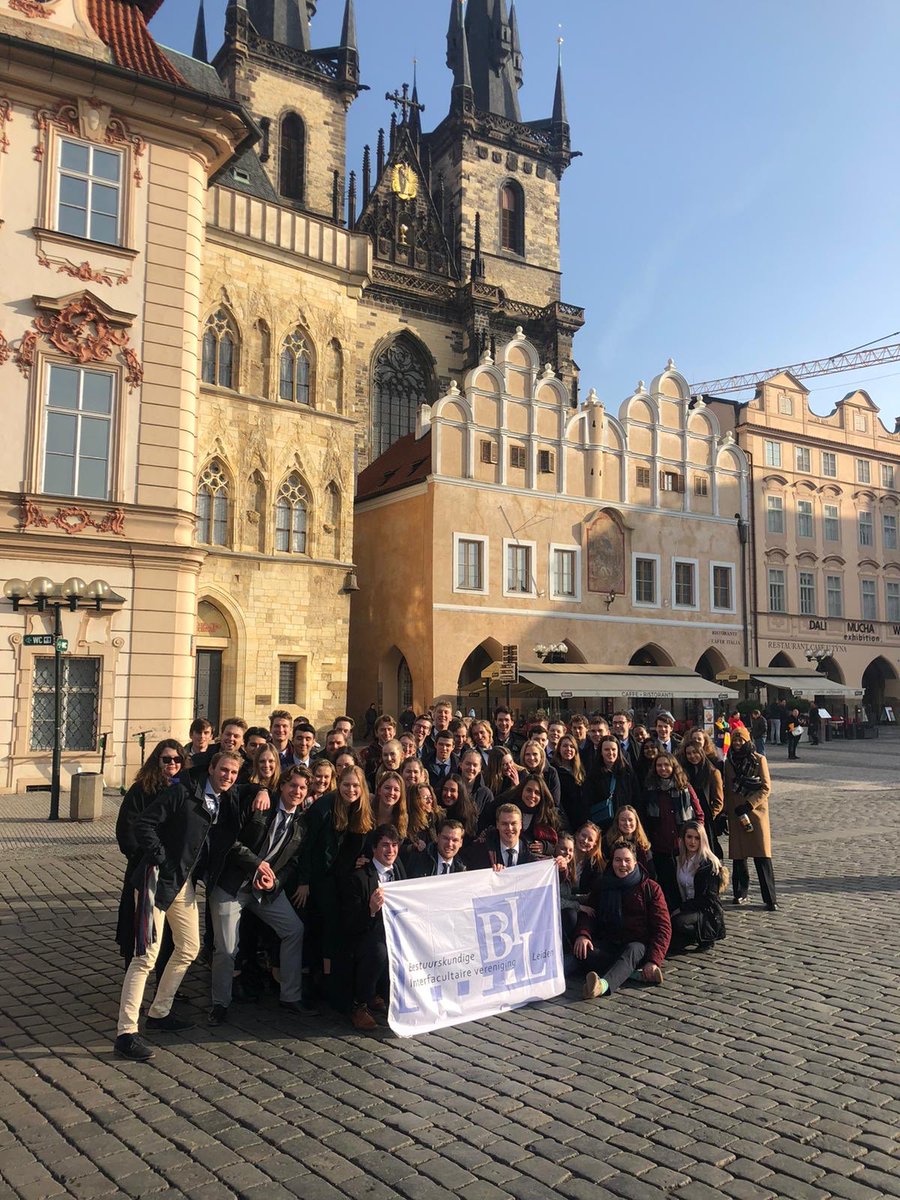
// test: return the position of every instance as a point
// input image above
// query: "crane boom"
(805, 370)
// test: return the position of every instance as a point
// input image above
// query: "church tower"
(298, 95)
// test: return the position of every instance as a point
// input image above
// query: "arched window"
(512, 218)
(293, 153)
(294, 369)
(212, 505)
(220, 345)
(404, 685)
(291, 516)
(402, 381)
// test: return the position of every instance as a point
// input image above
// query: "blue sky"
(736, 203)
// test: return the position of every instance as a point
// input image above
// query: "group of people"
(293, 835)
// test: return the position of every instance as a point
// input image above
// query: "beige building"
(825, 519)
(509, 518)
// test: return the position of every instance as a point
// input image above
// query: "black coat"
(573, 803)
(604, 797)
(133, 804)
(356, 894)
(249, 850)
(706, 902)
(423, 864)
(482, 855)
(437, 778)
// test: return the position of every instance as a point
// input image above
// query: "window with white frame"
(804, 459)
(889, 530)
(804, 518)
(212, 505)
(774, 514)
(866, 529)
(645, 575)
(291, 511)
(832, 522)
(892, 600)
(887, 475)
(78, 423)
(90, 192)
(772, 453)
(642, 477)
(863, 471)
(519, 568)
(564, 572)
(829, 464)
(869, 599)
(470, 563)
(777, 590)
(722, 589)
(807, 594)
(701, 485)
(670, 481)
(684, 583)
(834, 596)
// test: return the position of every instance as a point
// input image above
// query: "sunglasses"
(167, 758)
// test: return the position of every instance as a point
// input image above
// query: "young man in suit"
(445, 763)
(666, 737)
(504, 846)
(361, 907)
(253, 873)
(441, 856)
(621, 727)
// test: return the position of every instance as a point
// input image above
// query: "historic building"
(508, 518)
(826, 507)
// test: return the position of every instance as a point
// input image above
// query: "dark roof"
(123, 28)
(199, 76)
(246, 174)
(407, 462)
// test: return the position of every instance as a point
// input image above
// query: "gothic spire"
(285, 22)
(560, 116)
(415, 119)
(200, 51)
(348, 28)
(495, 79)
(458, 57)
(349, 52)
(516, 44)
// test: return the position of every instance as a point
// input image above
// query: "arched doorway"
(470, 685)
(214, 666)
(781, 660)
(830, 669)
(394, 682)
(710, 664)
(650, 655)
(874, 678)
(573, 654)
(404, 687)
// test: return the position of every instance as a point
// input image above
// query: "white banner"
(470, 945)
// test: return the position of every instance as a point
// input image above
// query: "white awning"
(660, 683)
(809, 683)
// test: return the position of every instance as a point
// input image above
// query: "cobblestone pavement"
(767, 1068)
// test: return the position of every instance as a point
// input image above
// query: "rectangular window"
(722, 588)
(804, 518)
(834, 596)
(777, 590)
(807, 594)
(832, 523)
(829, 464)
(287, 682)
(470, 564)
(869, 599)
(670, 481)
(685, 590)
(772, 454)
(786, 405)
(889, 531)
(519, 573)
(546, 462)
(892, 600)
(642, 477)
(774, 514)
(90, 199)
(564, 582)
(78, 433)
(701, 485)
(866, 529)
(518, 457)
(488, 451)
(645, 581)
(860, 423)
(863, 471)
(887, 475)
(804, 459)
(80, 703)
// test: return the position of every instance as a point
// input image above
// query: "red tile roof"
(122, 25)
(407, 462)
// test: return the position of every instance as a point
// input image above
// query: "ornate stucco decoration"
(5, 119)
(94, 121)
(74, 518)
(30, 8)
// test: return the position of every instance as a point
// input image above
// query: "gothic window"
(512, 218)
(402, 381)
(220, 342)
(291, 511)
(293, 153)
(294, 368)
(212, 505)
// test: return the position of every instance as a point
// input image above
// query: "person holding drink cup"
(747, 788)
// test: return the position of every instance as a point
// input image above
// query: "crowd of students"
(294, 834)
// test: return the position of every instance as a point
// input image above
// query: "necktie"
(445, 868)
(211, 804)
(279, 832)
(510, 854)
(389, 877)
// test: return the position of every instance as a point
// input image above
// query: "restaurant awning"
(587, 679)
(809, 684)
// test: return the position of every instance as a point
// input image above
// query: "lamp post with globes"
(43, 594)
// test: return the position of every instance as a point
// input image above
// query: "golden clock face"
(404, 181)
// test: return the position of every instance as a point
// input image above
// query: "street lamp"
(554, 653)
(43, 593)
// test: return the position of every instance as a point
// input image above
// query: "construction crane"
(867, 355)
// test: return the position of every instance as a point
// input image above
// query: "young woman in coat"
(705, 778)
(570, 769)
(747, 788)
(611, 783)
(668, 803)
(699, 917)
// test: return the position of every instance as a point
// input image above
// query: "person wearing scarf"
(705, 778)
(747, 787)
(669, 802)
(624, 930)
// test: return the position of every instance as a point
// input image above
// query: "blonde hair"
(576, 767)
(596, 857)
(705, 853)
(356, 819)
(639, 837)
(265, 748)
(400, 813)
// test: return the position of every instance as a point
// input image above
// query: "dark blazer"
(706, 902)
(249, 850)
(632, 753)
(424, 864)
(435, 776)
(356, 893)
(478, 855)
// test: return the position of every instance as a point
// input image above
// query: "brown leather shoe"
(378, 1005)
(361, 1018)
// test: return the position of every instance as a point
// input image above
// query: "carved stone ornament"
(72, 519)
(83, 330)
(92, 120)
(30, 8)
(4, 349)
(64, 117)
(5, 118)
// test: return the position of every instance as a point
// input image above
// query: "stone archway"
(651, 655)
(781, 660)
(874, 678)
(710, 664)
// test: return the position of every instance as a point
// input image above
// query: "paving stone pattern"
(769, 1067)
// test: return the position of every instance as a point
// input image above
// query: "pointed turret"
(494, 78)
(348, 52)
(516, 45)
(200, 51)
(560, 116)
(415, 118)
(284, 22)
(348, 27)
(458, 59)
